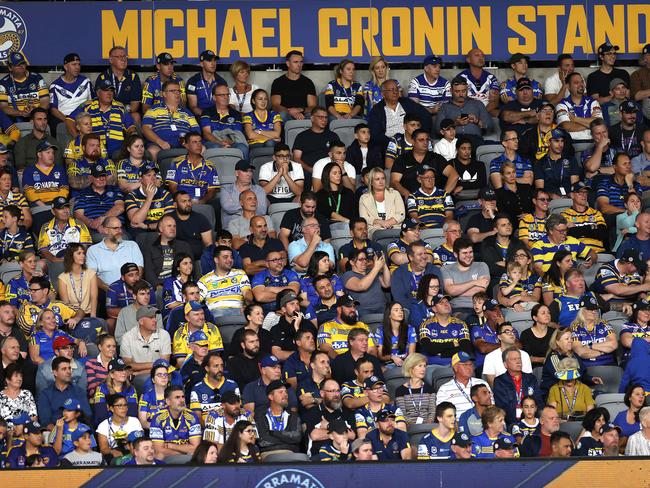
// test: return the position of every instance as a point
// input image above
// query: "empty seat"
(393, 384)
(287, 457)
(522, 325)
(24, 128)
(611, 376)
(344, 128)
(537, 371)
(487, 153)
(207, 211)
(437, 375)
(614, 409)
(605, 398)
(572, 428)
(281, 207)
(224, 160)
(419, 431)
(558, 205)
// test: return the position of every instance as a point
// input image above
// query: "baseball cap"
(487, 194)
(516, 57)
(423, 168)
(3, 149)
(44, 145)
(81, 430)
(461, 357)
(275, 385)
(128, 267)
(504, 443)
(208, 55)
(641, 305)
(71, 57)
(192, 306)
(22, 419)
(631, 255)
(373, 381)
(149, 166)
(629, 107)
(589, 302)
(431, 59)
(17, 58)
(580, 185)
(160, 362)
(118, 364)
(97, 170)
(165, 58)
(646, 49)
(287, 297)
(410, 224)
(523, 83)
(198, 337)
(60, 342)
(230, 397)
(615, 82)
(491, 304)
(146, 311)
(606, 47)
(269, 361)
(337, 425)
(384, 414)
(567, 374)
(134, 435)
(545, 103)
(32, 428)
(447, 124)
(60, 202)
(243, 165)
(461, 439)
(557, 134)
(609, 426)
(346, 301)
(72, 404)
(439, 297)
(104, 84)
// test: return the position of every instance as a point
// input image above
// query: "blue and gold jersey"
(433, 447)
(531, 228)
(568, 308)
(56, 241)
(544, 250)
(590, 218)
(17, 199)
(28, 315)
(17, 290)
(162, 204)
(521, 165)
(202, 89)
(329, 454)
(483, 444)
(608, 274)
(194, 180)
(431, 208)
(259, 123)
(129, 172)
(110, 124)
(119, 296)
(102, 393)
(150, 404)
(205, 396)
(350, 389)
(522, 287)
(224, 291)
(14, 244)
(443, 255)
(218, 122)
(81, 167)
(170, 126)
(96, 204)
(152, 89)
(164, 428)
(45, 343)
(23, 94)
(343, 98)
(508, 89)
(636, 330)
(522, 429)
(431, 330)
(335, 334)
(365, 416)
(597, 335)
(45, 184)
(401, 246)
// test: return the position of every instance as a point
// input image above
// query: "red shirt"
(517, 382)
(545, 451)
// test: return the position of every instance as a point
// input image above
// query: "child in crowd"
(446, 146)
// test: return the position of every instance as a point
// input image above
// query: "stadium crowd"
(197, 272)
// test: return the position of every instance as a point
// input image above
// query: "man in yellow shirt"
(195, 321)
(333, 335)
(60, 232)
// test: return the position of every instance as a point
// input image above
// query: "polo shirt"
(127, 88)
(217, 122)
(202, 90)
(255, 392)
(51, 400)
(615, 192)
(557, 174)
(107, 262)
(45, 184)
(135, 347)
(254, 253)
(265, 279)
(57, 241)
(430, 207)
(608, 274)
(206, 397)
(429, 94)
(170, 126)
(455, 392)
(391, 451)
(130, 173)
(152, 89)
(296, 248)
(196, 181)
(23, 94)
(407, 166)
(110, 124)
(162, 204)
(521, 164)
(96, 204)
(294, 368)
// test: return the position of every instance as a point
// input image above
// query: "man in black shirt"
(626, 136)
(520, 114)
(599, 80)
(326, 308)
(159, 254)
(291, 321)
(191, 227)
(344, 364)
(243, 368)
(291, 225)
(254, 251)
(293, 95)
(314, 143)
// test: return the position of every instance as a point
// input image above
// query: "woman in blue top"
(153, 399)
(593, 339)
(131, 160)
(262, 126)
(41, 345)
(396, 339)
(71, 420)
(117, 381)
(379, 71)
(493, 420)
(319, 264)
(182, 272)
(17, 290)
(628, 420)
(428, 288)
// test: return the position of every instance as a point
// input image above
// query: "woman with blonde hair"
(241, 91)
(382, 207)
(415, 398)
(570, 396)
(379, 70)
(41, 344)
(593, 338)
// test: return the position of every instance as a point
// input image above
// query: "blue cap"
(44, 145)
(72, 404)
(373, 381)
(134, 435)
(160, 363)
(431, 59)
(81, 430)
(460, 357)
(558, 134)
(629, 107)
(149, 166)
(165, 58)
(199, 337)
(269, 361)
(33, 428)
(192, 306)
(104, 84)
(22, 419)
(504, 443)
(16, 59)
(97, 170)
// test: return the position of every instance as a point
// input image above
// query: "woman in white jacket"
(383, 208)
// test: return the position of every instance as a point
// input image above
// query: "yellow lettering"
(551, 12)
(577, 33)
(479, 30)
(259, 32)
(146, 34)
(125, 35)
(285, 33)
(607, 29)
(426, 38)
(634, 41)
(234, 35)
(325, 47)
(160, 18)
(361, 35)
(395, 44)
(195, 32)
(529, 43)
(452, 30)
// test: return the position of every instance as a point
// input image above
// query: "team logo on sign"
(289, 478)
(13, 33)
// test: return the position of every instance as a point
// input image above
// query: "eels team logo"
(13, 33)
(289, 478)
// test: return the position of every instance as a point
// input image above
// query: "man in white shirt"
(555, 86)
(493, 365)
(336, 155)
(282, 179)
(457, 391)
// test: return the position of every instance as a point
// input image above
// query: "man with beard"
(191, 227)
(389, 443)
(240, 226)
(575, 112)
(317, 419)
(193, 173)
(279, 429)
(220, 421)
(326, 308)
(108, 256)
(292, 320)
(463, 279)
(254, 252)
(99, 201)
(8, 326)
(159, 255)
(308, 389)
(243, 367)
(79, 170)
(359, 233)
(333, 335)
(206, 395)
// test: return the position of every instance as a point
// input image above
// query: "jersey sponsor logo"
(289, 478)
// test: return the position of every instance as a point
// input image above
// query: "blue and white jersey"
(479, 89)
(66, 97)
(429, 94)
